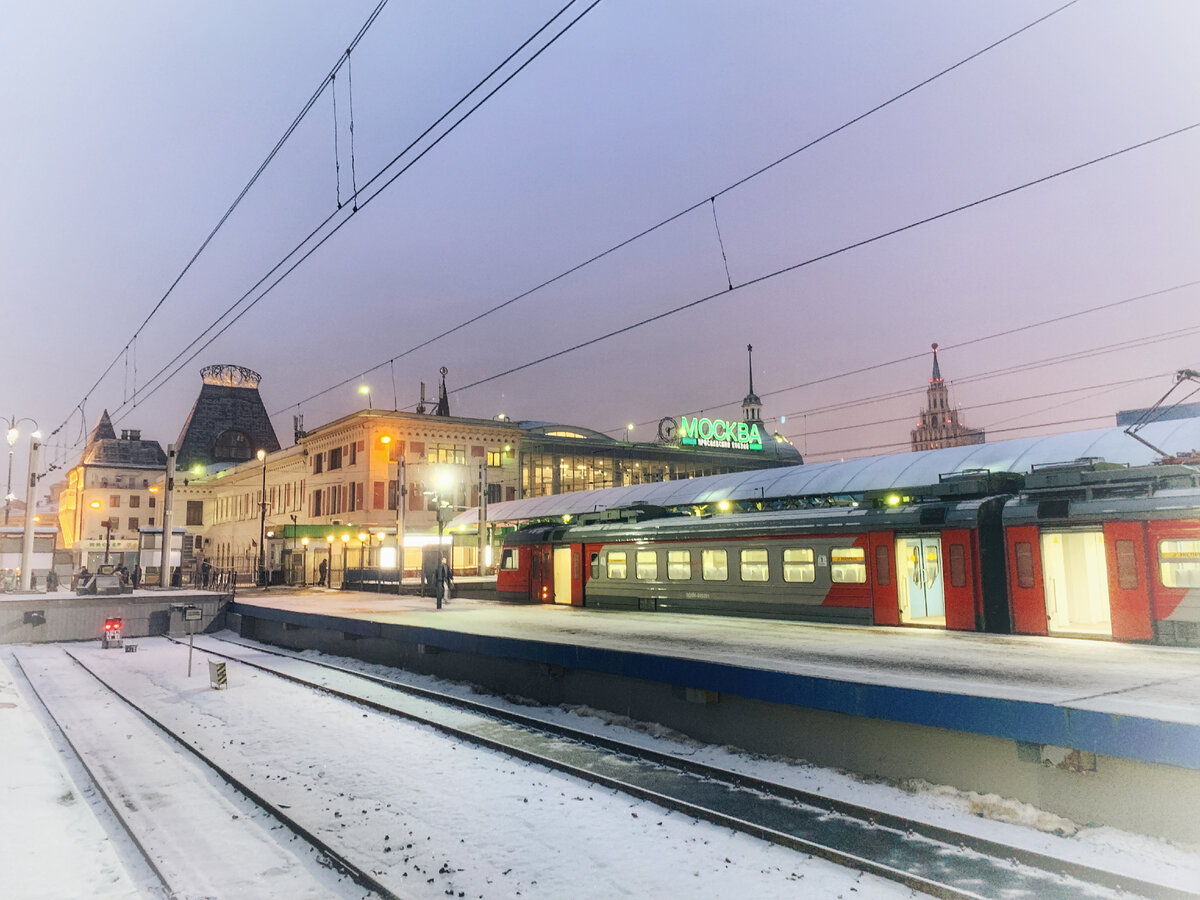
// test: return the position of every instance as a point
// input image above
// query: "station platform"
(1098, 731)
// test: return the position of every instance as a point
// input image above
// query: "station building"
(344, 491)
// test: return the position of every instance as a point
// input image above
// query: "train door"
(1075, 577)
(541, 575)
(1128, 584)
(561, 588)
(919, 580)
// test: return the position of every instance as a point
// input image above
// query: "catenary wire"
(162, 378)
(695, 206)
(830, 254)
(237, 201)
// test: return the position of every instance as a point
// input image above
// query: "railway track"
(231, 843)
(929, 859)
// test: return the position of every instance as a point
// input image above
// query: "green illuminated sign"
(719, 433)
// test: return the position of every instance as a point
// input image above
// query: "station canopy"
(850, 477)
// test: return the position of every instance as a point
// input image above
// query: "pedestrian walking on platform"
(322, 571)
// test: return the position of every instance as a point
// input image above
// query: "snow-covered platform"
(1049, 720)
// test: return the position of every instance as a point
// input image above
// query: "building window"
(353, 454)
(335, 458)
(1179, 563)
(114, 501)
(316, 504)
(495, 458)
(679, 565)
(848, 565)
(318, 463)
(133, 523)
(152, 502)
(714, 565)
(135, 501)
(233, 445)
(798, 565)
(647, 565)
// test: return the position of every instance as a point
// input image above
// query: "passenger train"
(1083, 550)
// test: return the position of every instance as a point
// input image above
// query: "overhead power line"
(830, 254)
(233, 206)
(710, 198)
(200, 343)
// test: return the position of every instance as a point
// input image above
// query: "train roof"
(857, 476)
(1180, 503)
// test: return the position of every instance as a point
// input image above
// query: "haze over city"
(134, 128)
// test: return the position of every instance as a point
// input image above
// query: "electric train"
(1083, 550)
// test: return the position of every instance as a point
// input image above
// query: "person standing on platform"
(322, 571)
(443, 581)
(136, 575)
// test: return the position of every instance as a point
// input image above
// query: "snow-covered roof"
(851, 476)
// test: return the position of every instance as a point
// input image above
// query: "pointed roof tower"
(937, 372)
(751, 406)
(228, 423)
(443, 404)
(103, 431)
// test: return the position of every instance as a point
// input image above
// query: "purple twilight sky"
(131, 127)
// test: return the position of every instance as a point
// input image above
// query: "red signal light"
(112, 624)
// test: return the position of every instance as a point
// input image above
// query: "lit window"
(848, 565)
(798, 565)
(714, 565)
(754, 565)
(679, 565)
(616, 564)
(1179, 563)
(647, 565)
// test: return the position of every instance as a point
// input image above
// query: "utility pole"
(483, 541)
(401, 492)
(30, 501)
(164, 568)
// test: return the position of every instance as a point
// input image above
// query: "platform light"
(723, 506)
(893, 499)
(566, 518)
(345, 538)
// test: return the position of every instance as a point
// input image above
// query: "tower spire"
(750, 358)
(751, 406)
(937, 372)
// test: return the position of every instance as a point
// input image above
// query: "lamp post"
(95, 504)
(304, 562)
(262, 528)
(13, 433)
(365, 390)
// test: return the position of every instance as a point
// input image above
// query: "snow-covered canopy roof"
(868, 473)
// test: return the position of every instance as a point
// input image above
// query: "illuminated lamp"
(893, 499)
(723, 506)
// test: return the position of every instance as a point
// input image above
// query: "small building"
(939, 425)
(110, 495)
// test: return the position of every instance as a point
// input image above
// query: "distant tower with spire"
(939, 425)
(752, 406)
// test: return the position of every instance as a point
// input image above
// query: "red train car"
(1106, 553)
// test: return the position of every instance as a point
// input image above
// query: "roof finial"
(750, 355)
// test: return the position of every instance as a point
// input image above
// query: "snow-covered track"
(226, 845)
(930, 859)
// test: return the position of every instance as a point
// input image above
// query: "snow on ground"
(985, 815)
(433, 816)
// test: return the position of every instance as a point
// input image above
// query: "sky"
(277, 737)
(133, 127)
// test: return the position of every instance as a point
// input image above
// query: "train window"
(754, 565)
(647, 565)
(714, 565)
(1179, 563)
(798, 565)
(679, 565)
(595, 561)
(1024, 564)
(883, 570)
(616, 563)
(1127, 576)
(848, 565)
(958, 566)
(508, 559)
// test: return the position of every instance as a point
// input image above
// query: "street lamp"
(95, 504)
(262, 529)
(304, 561)
(365, 390)
(13, 433)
